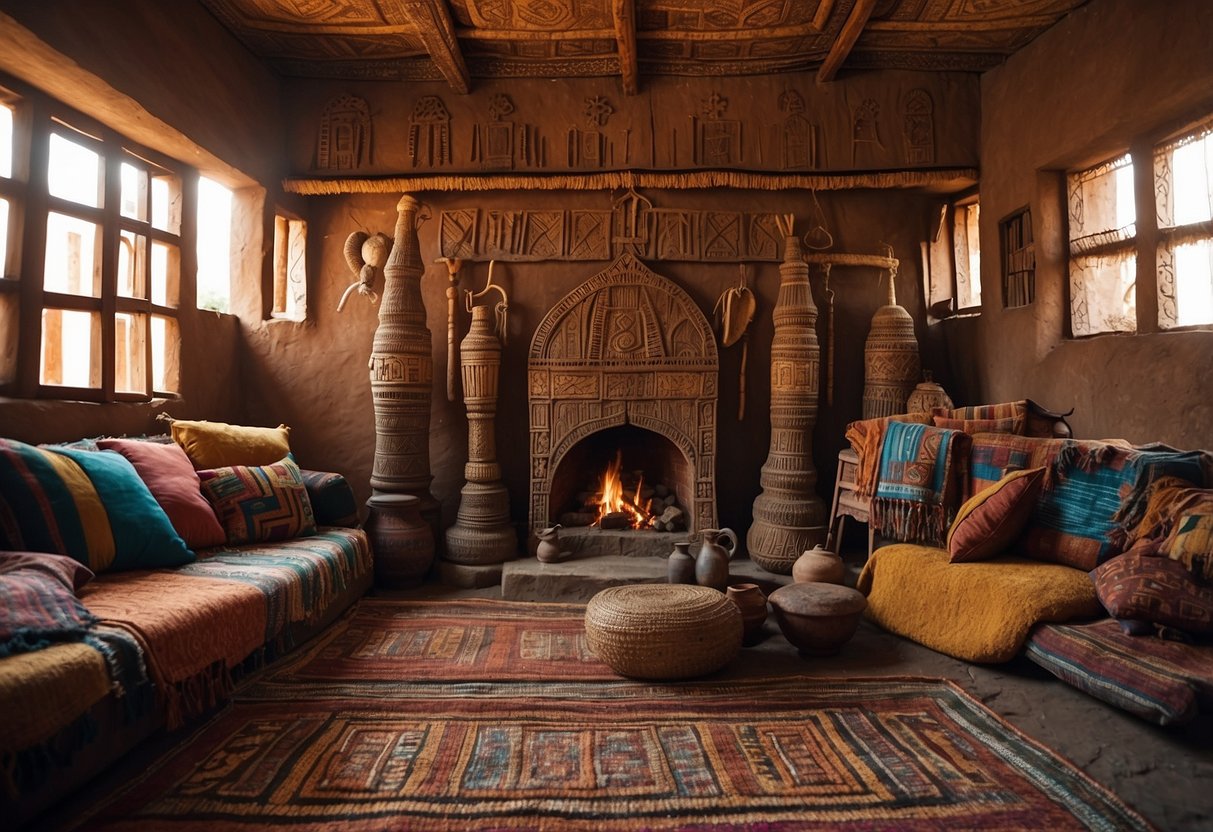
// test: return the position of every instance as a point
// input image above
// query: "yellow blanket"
(979, 612)
(46, 690)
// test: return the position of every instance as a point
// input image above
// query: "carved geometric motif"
(765, 239)
(721, 235)
(589, 235)
(544, 238)
(458, 233)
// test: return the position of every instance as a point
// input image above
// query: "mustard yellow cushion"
(217, 444)
(979, 612)
(989, 521)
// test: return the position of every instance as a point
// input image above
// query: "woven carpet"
(442, 750)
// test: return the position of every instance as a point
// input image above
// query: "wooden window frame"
(1017, 258)
(38, 117)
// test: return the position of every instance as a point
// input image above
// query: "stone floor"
(1164, 773)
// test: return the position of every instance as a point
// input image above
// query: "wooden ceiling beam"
(845, 42)
(432, 22)
(624, 12)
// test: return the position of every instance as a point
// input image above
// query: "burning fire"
(616, 503)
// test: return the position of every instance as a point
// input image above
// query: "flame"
(613, 499)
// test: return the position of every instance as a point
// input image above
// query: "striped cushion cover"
(259, 503)
(88, 505)
(1165, 682)
(333, 501)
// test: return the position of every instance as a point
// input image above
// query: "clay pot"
(402, 542)
(818, 565)
(753, 605)
(681, 566)
(548, 550)
(712, 561)
(818, 618)
(927, 396)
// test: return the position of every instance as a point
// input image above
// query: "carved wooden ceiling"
(462, 40)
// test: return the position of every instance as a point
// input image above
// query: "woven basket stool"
(663, 631)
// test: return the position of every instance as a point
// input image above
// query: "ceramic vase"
(548, 548)
(927, 396)
(789, 517)
(680, 566)
(482, 534)
(401, 540)
(753, 605)
(402, 374)
(712, 560)
(890, 359)
(818, 565)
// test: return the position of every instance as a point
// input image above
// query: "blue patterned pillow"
(89, 505)
(259, 503)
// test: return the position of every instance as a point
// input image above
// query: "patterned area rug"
(441, 748)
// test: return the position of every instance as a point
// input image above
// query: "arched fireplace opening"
(624, 477)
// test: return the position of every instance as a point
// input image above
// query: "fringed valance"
(632, 179)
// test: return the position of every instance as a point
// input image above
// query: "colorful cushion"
(990, 520)
(216, 444)
(1141, 586)
(168, 474)
(333, 502)
(260, 503)
(1074, 517)
(1165, 682)
(994, 455)
(979, 425)
(88, 505)
(38, 604)
(1191, 544)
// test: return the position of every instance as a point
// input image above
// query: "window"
(89, 305)
(966, 240)
(1018, 259)
(290, 268)
(954, 259)
(1183, 188)
(1102, 235)
(214, 246)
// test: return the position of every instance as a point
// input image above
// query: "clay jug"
(753, 605)
(712, 561)
(818, 565)
(548, 550)
(680, 565)
(402, 541)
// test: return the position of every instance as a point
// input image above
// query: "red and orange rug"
(462, 716)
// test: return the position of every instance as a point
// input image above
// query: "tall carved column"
(402, 374)
(891, 367)
(789, 517)
(482, 533)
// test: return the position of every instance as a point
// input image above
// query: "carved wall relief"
(503, 144)
(918, 126)
(627, 347)
(344, 140)
(430, 133)
(865, 130)
(717, 139)
(797, 135)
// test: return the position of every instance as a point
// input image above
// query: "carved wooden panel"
(626, 347)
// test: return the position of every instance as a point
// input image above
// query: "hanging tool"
(453, 265)
(734, 310)
(501, 311)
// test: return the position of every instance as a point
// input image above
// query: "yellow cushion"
(979, 612)
(989, 521)
(216, 444)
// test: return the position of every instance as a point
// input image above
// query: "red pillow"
(990, 521)
(170, 476)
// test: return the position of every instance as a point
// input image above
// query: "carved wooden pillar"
(482, 533)
(402, 374)
(789, 517)
(891, 366)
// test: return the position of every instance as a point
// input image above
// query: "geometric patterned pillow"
(259, 504)
(1162, 591)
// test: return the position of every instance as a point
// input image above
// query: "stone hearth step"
(579, 579)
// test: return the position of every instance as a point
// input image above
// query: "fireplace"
(625, 363)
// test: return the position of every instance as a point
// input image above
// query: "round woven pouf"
(663, 631)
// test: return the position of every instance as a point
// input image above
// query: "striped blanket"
(918, 489)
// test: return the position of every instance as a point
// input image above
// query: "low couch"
(999, 543)
(131, 604)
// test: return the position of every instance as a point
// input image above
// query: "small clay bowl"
(818, 618)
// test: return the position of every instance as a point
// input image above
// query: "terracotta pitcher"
(712, 561)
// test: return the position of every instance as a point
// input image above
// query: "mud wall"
(1110, 73)
(168, 76)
